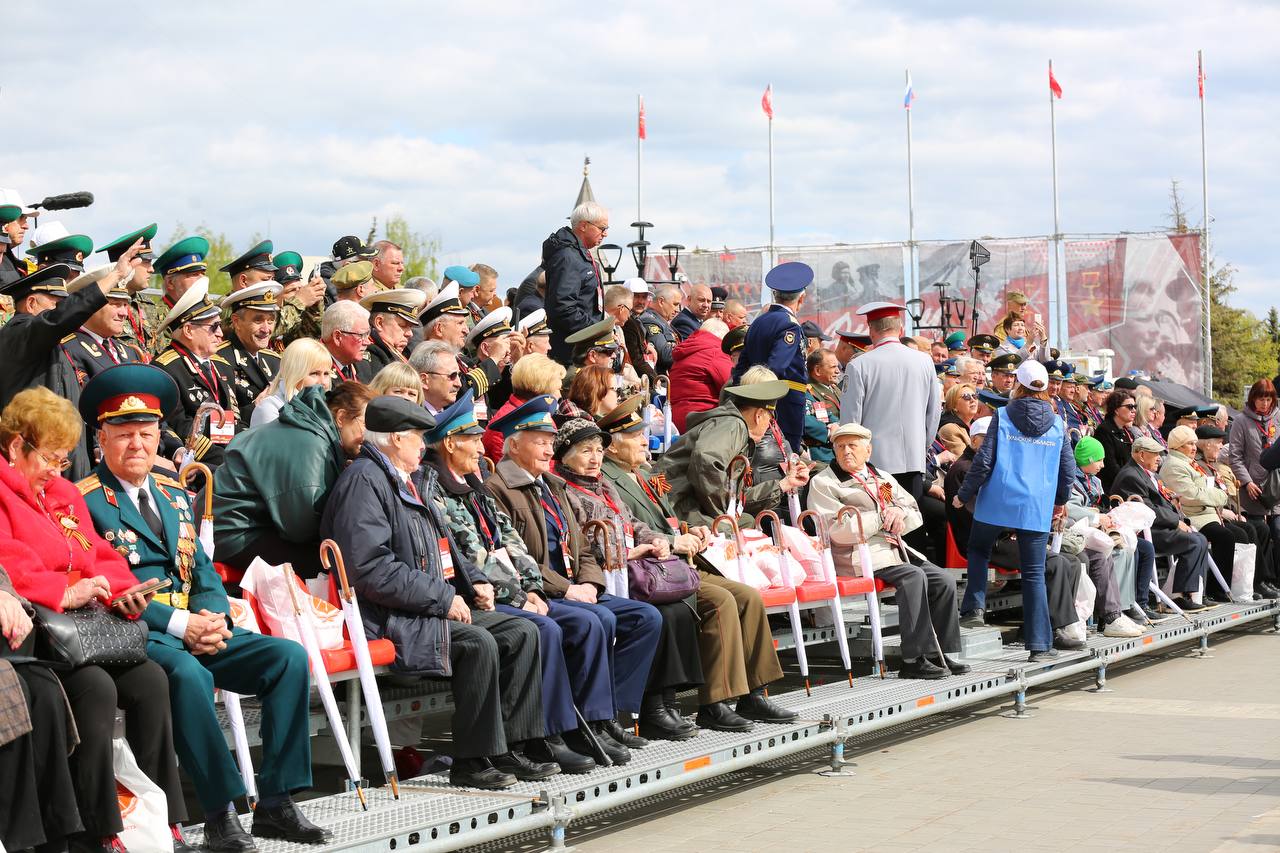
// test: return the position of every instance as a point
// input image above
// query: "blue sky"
(302, 120)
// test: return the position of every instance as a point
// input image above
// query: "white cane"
(320, 675)
(793, 606)
(829, 574)
(667, 426)
(873, 600)
(331, 557)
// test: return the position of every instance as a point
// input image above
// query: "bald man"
(690, 318)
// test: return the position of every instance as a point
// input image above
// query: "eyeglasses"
(603, 229)
(363, 336)
(449, 376)
(51, 461)
(1128, 406)
(969, 397)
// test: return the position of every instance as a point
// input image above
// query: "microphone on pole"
(65, 201)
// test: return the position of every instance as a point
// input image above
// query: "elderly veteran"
(446, 319)
(393, 316)
(595, 345)
(696, 467)
(822, 404)
(1171, 532)
(250, 326)
(354, 282)
(537, 334)
(983, 347)
(150, 519)
(1210, 440)
(270, 490)
(575, 657)
(179, 267)
(1203, 500)
(533, 375)
(733, 342)
(926, 594)
(734, 640)
(58, 561)
(493, 339)
(201, 374)
(537, 503)
(420, 591)
(579, 452)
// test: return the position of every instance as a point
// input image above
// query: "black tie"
(149, 514)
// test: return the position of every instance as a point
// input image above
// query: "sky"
(302, 121)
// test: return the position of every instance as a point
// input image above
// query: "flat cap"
(850, 430)
(1147, 443)
(396, 414)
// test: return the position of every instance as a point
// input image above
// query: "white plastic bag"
(1242, 572)
(1086, 592)
(143, 807)
(265, 585)
(722, 553)
(1133, 515)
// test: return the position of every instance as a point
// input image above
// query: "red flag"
(1053, 83)
(640, 129)
(766, 102)
(1200, 75)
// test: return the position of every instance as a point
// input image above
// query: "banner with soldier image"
(1020, 265)
(846, 278)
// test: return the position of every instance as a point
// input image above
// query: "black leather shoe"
(922, 668)
(658, 723)
(586, 743)
(1138, 615)
(224, 833)
(624, 735)
(1187, 605)
(479, 773)
(1042, 656)
(288, 822)
(617, 753)
(973, 619)
(954, 665)
(759, 707)
(1266, 590)
(718, 716)
(553, 748)
(524, 769)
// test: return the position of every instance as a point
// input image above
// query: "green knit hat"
(1088, 451)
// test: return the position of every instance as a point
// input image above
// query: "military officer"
(135, 330)
(445, 319)
(850, 345)
(777, 342)
(150, 520)
(202, 375)
(1059, 371)
(734, 341)
(492, 335)
(982, 346)
(99, 344)
(467, 281)
(179, 267)
(56, 246)
(12, 230)
(354, 281)
(596, 345)
(301, 303)
(393, 315)
(957, 346)
(1004, 369)
(537, 334)
(252, 312)
(821, 404)
(656, 321)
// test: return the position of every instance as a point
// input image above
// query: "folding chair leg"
(797, 632)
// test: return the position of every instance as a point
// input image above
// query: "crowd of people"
(486, 465)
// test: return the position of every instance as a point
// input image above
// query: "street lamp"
(673, 251)
(640, 246)
(609, 266)
(978, 255)
(951, 311)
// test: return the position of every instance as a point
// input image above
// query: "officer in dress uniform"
(982, 346)
(445, 318)
(59, 247)
(1004, 370)
(777, 342)
(202, 375)
(491, 329)
(537, 334)
(252, 313)
(135, 330)
(179, 267)
(12, 267)
(393, 315)
(150, 520)
(99, 343)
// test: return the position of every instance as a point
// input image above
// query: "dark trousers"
(1145, 575)
(913, 483)
(38, 798)
(575, 666)
(496, 684)
(926, 599)
(1222, 545)
(1191, 552)
(1061, 575)
(305, 558)
(676, 662)
(1106, 602)
(273, 669)
(631, 630)
(142, 692)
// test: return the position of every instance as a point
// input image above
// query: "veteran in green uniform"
(135, 330)
(181, 265)
(150, 520)
(301, 303)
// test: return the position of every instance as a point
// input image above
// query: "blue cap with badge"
(534, 414)
(458, 418)
(790, 277)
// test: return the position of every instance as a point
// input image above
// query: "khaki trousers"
(734, 640)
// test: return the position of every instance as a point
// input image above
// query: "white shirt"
(177, 626)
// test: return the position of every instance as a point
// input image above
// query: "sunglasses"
(969, 397)
(1133, 406)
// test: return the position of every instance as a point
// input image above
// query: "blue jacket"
(1032, 418)
(575, 296)
(776, 341)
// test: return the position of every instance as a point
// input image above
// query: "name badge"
(673, 524)
(820, 411)
(568, 560)
(480, 410)
(446, 560)
(223, 434)
(629, 537)
(501, 555)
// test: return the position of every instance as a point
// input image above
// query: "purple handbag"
(661, 581)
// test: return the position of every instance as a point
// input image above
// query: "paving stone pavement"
(1184, 755)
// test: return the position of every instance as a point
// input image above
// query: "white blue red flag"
(910, 94)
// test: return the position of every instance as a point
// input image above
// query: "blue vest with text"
(1019, 493)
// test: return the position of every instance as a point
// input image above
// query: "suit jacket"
(1131, 480)
(832, 490)
(1200, 501)
(893, 391)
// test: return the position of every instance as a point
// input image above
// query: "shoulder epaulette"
(68, 339)
(167, 357)
(270, 352)
(89, 484)
(220, 359)
(223, 346)
(165, 480)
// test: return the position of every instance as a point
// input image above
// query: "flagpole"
(639, 154)
(772, 254)
(1207, 320)
(911, 199)
(1059, 290)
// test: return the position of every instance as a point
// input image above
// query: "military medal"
(134, 559)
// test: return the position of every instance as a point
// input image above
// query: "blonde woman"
(398, 379)
(960, 406)
(1150, 417)
(532, 376)
(305, 362)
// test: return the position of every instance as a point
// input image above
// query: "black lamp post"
(609, 265)
(640, 246)
(673, 251)
(978, 255)
(951, 311)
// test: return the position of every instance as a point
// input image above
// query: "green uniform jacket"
(697, 468)
(642, 508)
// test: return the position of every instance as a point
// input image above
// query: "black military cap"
(396, 414)
(257, 258)
(1209, 431)
(812, 330)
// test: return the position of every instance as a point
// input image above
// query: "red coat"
(699, 369)
(36, 545)
(492, 439)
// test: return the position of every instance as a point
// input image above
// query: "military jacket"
(252, 373)
(212, 381)
(659, 333)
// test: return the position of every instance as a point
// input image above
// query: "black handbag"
(90, 635)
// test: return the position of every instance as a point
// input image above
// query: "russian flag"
(910, 94)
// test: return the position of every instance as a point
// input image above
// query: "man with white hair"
(437, 366)
(575, 292)
(344, 331)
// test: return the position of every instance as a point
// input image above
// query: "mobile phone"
(1037, 318)
(147, 587)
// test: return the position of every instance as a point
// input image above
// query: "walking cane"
(873, 600)
(829, 575)
(230, 700)
(331, 557)
(601, 531)
(308, 633)
(739, 469)
(1165, 599)
(902, 550)
(793, 606)
(667, 426)
(187, 453)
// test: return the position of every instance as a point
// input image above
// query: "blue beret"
(463, 276)
(790, 277)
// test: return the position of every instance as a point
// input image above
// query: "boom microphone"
(66, 201)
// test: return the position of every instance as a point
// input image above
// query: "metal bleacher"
(430, 815)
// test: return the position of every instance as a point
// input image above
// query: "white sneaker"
(1122, 626)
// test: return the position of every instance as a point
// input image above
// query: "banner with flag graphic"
(640, 130)
(910, 94)
(766, 101)
(1054, 86)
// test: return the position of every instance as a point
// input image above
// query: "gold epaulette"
(270, 352)
(223, 346)
(218, 358)
(481, 380)
(68, 339)
(165, 480)
(89, 484)
(167, 357)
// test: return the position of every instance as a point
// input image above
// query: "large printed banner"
(848, 277)
(1139, 296)
(1015, 265)
(740, 271)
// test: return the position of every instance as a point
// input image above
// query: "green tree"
(420, 250)
(1273, 325)
(1243, 349)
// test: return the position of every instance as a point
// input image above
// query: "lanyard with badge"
(562, 528)
(628, 531)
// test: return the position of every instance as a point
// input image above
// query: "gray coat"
(1244, 452)
(893, 391)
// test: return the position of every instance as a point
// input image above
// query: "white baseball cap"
(979, 427)
(638, 285)
(1032, 374)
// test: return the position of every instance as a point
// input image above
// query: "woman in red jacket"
(56, 558)
(533, 375)
(699, 369)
